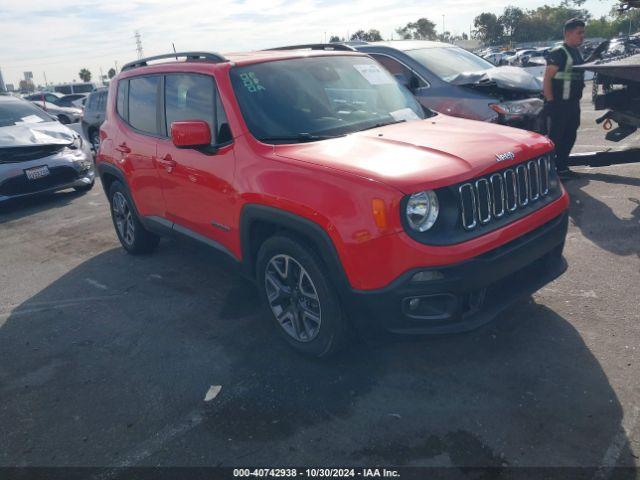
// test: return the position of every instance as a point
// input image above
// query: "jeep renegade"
(327, 183)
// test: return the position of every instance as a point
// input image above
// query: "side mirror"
(191, 134)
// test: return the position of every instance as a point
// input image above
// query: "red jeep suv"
(328, 184)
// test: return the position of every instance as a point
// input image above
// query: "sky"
(57, 39)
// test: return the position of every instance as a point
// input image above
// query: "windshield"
(448, 62)
(21, 113)
(309, 99)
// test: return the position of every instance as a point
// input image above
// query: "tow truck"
(616, 89)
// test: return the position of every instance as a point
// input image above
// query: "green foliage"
(544, 23)
(111, 73)
(85, 75)
(372, 35)
(488, 29)
(422, 29)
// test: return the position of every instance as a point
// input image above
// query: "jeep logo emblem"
(505, 156)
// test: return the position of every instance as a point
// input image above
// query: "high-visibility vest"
(567, 75)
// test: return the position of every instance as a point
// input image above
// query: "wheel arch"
(260, 222)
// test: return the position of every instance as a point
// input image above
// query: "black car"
(94, 111)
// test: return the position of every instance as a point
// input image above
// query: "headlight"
(422, 210)
(77, 143)
(530, 106)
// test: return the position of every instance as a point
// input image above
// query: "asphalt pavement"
(109, 360)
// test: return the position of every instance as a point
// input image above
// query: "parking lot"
(106, 359)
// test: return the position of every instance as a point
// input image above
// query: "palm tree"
(85, 75)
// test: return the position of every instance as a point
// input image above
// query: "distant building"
(3, 88)
(28, 76)
(10, 87)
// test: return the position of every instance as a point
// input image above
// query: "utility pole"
(115, 62)
(45, 78)
(139, 50)
(443, 29)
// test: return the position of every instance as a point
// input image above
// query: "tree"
(488, 30)
(511, 21)
(372, 35)
(111, 73)
(422, 29)
(85, 75)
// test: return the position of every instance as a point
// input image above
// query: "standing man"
(563, 88)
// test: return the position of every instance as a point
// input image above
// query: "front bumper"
(465, 296)
(67, 171)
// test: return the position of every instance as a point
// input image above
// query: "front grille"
(24, 154)
(21, 184)
(504, 193)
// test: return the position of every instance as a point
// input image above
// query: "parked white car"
(50, 102)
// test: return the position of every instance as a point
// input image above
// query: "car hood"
(35, 134)
(509, 78)
(431, 153)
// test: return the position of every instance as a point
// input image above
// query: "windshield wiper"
(382, 124)
(300, 138)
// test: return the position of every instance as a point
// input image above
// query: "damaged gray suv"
(38, 154)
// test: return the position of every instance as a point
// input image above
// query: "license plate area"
(37, 172)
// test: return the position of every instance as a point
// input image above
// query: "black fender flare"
(308, 229)
(109, 169)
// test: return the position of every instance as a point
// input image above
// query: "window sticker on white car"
(251, 82)
(374, 74)
(404, 114)
(30, 119)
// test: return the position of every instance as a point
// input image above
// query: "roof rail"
(189, 57)
(318, 46)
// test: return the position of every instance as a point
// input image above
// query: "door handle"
(122, 148)
(167, 162)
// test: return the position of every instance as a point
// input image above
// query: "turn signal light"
(379, 213)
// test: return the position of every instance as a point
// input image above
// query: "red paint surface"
(331, 183)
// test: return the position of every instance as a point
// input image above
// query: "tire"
(298, 296)
(84, 188)
(94, 139)
(63, 119)
(134, 238)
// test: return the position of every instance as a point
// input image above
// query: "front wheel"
(132, 235)
(299, 297)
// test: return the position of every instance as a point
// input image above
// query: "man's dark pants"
(564, 120)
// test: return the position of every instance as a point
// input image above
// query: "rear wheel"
(132, 235)
(299, 298)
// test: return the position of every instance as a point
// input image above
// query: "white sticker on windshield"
(29, 119)
(405, 114)
(374, 74)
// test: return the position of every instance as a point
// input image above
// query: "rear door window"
(143, 104)
(121, 99)
(101, 104)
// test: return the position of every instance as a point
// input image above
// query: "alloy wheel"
(123, 218)
(293, 298)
